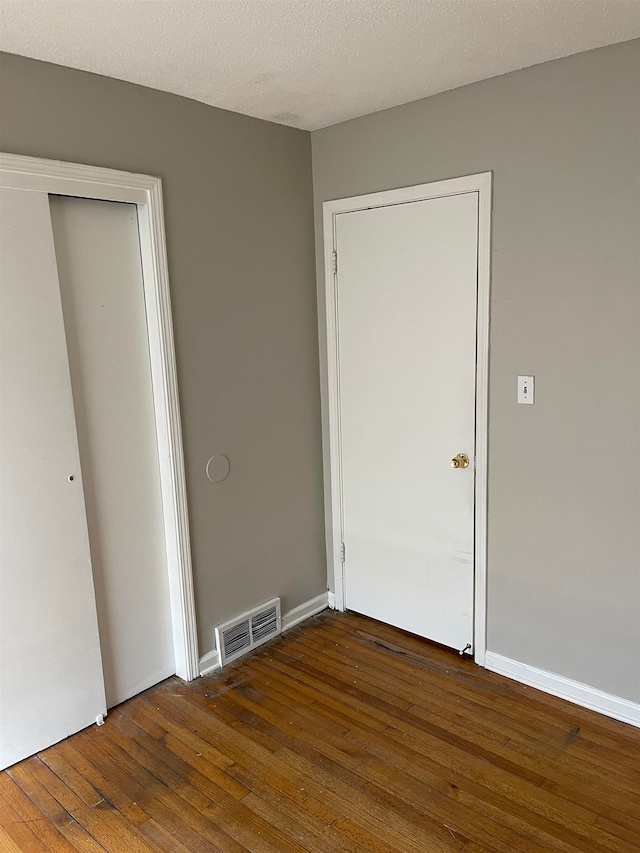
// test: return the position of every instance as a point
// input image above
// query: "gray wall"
(563, 142)
(238, 209)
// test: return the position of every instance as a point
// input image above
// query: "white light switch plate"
(526, 389)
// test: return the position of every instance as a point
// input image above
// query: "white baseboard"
(331, 600)
(211, 661)
(566, 688)
(304, 611)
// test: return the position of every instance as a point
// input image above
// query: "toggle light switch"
(525, 389)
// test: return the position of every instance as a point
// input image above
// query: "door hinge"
(334, 262)
(342, 551)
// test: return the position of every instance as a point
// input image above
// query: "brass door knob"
(460, 461)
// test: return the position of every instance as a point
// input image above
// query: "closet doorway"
(97, 597)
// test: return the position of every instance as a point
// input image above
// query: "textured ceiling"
(309, 63)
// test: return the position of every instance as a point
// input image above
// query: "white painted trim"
(482, 415)
(211, 661)
(565, 688)
(72, 179)
(481, 184)
(164, 379)
(331, 600)
(332, 443)
(304, 611)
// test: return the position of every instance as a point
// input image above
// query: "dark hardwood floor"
(342, 735)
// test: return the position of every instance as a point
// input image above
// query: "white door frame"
(481, 184)
(72, 179)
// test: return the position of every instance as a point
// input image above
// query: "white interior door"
(50, 668)
(406, 299)
(99, 265)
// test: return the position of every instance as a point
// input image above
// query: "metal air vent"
(248, 631)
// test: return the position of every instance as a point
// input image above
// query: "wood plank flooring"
(342, 736)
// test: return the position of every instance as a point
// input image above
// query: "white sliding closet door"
(98, 252)
(51, 682)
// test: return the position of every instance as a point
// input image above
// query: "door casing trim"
(145, 191)
(482, 184)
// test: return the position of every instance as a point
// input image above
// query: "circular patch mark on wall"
(218, 468)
